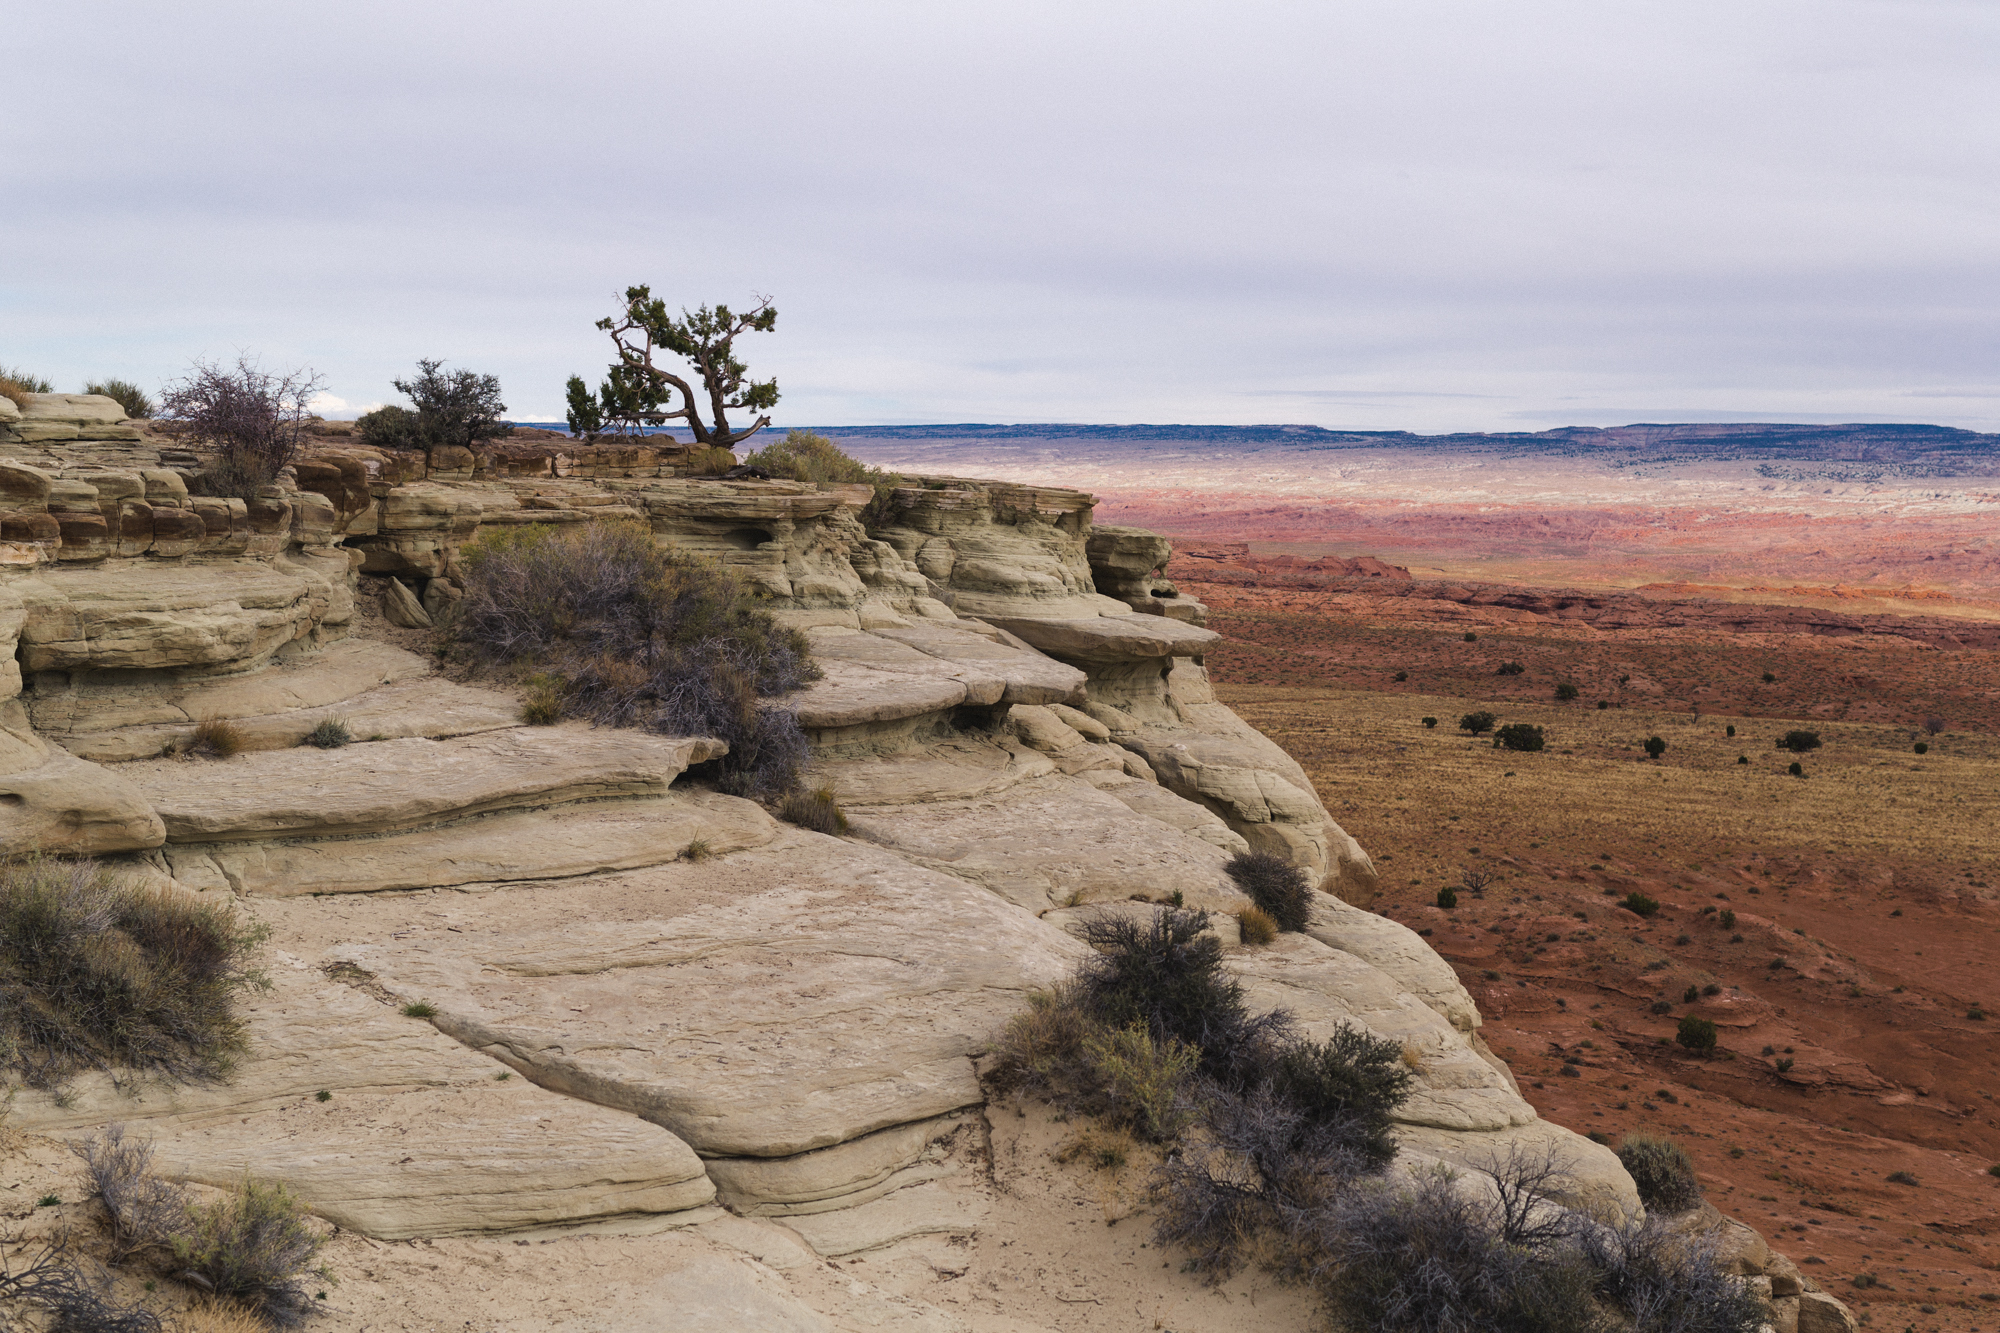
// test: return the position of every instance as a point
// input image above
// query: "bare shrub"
(628, 634)
(249, 418)
(1042, 1046)
(1275, 885)
(1662, 1172)
(329, 734)
(1667, 1282)
(815, 810)
(1256, 926)
(77, 1300)
(95, 974)
(146, 1212)
(214, 738)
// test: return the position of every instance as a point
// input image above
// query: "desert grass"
(97, 974)
(1418, 798)
(214, 738)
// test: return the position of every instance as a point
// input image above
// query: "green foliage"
(1277, 886)
(1142, 1082)
(1798, 742)
(1429, 723)
(255, 1246)
(1903, 1178)
(815, 810)
(1519, 736)
(419, 1009)
(1470, 637)
(621, 631)
(1726, 918)
(1662, 1171)
(1729, 730)
(95, 974)
(1796, 769)
(1921, 747)
(1696, 1034)
(1352, 1081)
(805, 456)
(1509, 669)
(1640, 904)
(459, 408)
(1166, 976)
(638, 394)
(1567, 691)
(1655, 747)
(129, 396)
(1447, 898)
(388, 427)
(1690, 995)
(16, 383)
(1476, 723)
(330, 734)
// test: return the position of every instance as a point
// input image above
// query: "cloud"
(334, 408)
(1031, 210)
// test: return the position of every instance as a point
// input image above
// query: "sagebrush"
(621, 631)
(1278, 887)
(98, 974)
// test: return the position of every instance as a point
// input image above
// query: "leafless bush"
(1667, 1283)
(1933, 725)
(77, 1301)
(146, 1212)
(250, 418)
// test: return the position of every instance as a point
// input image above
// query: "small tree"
(1798, 742)
(1447, 898)
(638, 394)
(1519, 736)
(1477, 723)
(1567, 691)
(1697, 1034)
(250, 418)
(1933, 725)
(460, 408)
(1655, 747)
(1639, 904)
(1509, 669)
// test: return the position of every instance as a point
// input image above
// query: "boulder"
(66, 806)
(233, 613)
(1822, 1313)
(76, 409)
(400, 606)
(23, 488)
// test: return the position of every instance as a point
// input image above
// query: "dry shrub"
(129, 396)
(626, 633)
(145, 1210)
(815, 810)
(1256, 926)
(18, 384)
(330, 734)
(95, 974)
(1662, 1172)
(1278, 887)
(250, 420)
(214, 1316)
(710, 462)
(255, 1246)
(1143, 1084)
(805, 455)
(214, 738)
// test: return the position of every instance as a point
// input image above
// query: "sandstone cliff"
(745, 1064)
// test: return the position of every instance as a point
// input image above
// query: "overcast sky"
(1406, 213)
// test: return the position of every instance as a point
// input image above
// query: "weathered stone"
(393, 785)
(177, 532)
(1396, 951)
(66, 806)
(135, 527)
(838, 1177)
(922, 1210)
(509, 848)
(401, 607)
(764, 1004)
(417, 1138)
(13, 615)
(84, 536)
(164, 487)
(163, 615)
(850, 695)
(225, 523)
(23, 488)
(1083, 723)
(1120, 638)
(77, 409)
(441, 600)
(1822, 1313)
(40, 528)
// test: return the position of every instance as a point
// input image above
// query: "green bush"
(95, 974)
(625, 633)
(129, 396)
(1655, 747)
(330, 734)
(1567, 691)
(1729, 730)
(1796, 769)
(1921, 747)
(1509, 669)
(1167, 976)
(805, 455)
(254, 1246)
(1662, 1171)
(1430, 722)
(388, 427)
(1476, 723)
(1142, 1083)
(1277, 886)
(459, 407)
(1519, 736)
(1640, 904)
(1798, 742)
(1348, 1084)
(1447, 898)
(1470, 637)
(1726, 918)
(1696, 1034)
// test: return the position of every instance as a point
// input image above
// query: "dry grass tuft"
(213, 1316)
(214, 738)
(1256, 925)
(815, 810)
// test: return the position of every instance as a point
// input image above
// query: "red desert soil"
(1850, 984)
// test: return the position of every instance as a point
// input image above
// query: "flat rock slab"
(1029, 677)
(1392, 948)
(852, 694)
(417, 1139)
(1058, 841)
(926, 1209)
(150, 615)
(393, 785)
(66, 806)
(1109, 638)
(764, 1004)
(951, 770)
(524, 845)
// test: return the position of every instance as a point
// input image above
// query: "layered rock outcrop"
(645, 1002)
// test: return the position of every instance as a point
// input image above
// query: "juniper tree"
(638, 393)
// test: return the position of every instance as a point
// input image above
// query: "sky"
(1385, 214)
